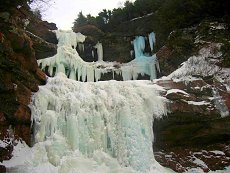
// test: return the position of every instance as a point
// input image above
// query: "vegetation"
(170, 14)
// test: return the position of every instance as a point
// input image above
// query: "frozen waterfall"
(68, 61)
(100, 127)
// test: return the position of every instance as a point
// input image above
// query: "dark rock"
(117, 48)
(164, 53)
(23, 132)
(41, 76)
(170, 84)
(2, 117)
(5, 16)
(191, 130)
(181, 159)
(42, 30)
(90, 30)
(2, 169)
(50, 26)
(42, 48)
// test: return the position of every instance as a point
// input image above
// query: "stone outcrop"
(193, 129)
(184, 43)
(43, 30)
(43, 49)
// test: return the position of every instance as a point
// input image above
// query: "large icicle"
(99, 48)
(152, 40)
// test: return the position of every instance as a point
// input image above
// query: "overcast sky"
(63, 12)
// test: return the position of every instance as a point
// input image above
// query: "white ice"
(68, 61)
(99, 48)
(103, 127)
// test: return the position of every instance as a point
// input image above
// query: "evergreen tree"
(80, 21)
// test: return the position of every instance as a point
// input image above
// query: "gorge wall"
(20, 75)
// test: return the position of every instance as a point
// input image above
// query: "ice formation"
(220, 104)
(94, 127)
(152, 40)
(68, 61)
(99, 48)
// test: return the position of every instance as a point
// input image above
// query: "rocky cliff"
(195, 133)
(20, 75)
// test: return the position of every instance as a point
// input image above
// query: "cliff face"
(20, 76)
(197, 62)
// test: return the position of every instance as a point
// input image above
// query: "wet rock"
(181, 159)
(164, 52)
(193, 124)
(42, 48)
(42, 30)
(41, 76)
(5, 16)
(2, 117)
(23, 114)
(2, 169)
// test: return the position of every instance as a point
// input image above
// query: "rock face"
(43, 38)
(193, 129)
(184, 43)
(20, 76)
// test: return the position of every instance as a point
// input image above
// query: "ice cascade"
(68, 61)
(93, 127)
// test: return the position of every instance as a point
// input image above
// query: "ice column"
(139, 46)
(99, 48)
(152, 40)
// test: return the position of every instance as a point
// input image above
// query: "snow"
(218, 152)
(68, 61)
(199, 170)
(202, 64)
(147, 15)
(93, 127)
(198, 103)
(176, 91)
(3, 144)
(200, 163)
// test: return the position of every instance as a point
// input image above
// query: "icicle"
(152, 40)
(72, 74)
(139, 46)
(99, 48)
(83, 73)
(90, 74)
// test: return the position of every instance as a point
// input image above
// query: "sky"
(63, 12)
